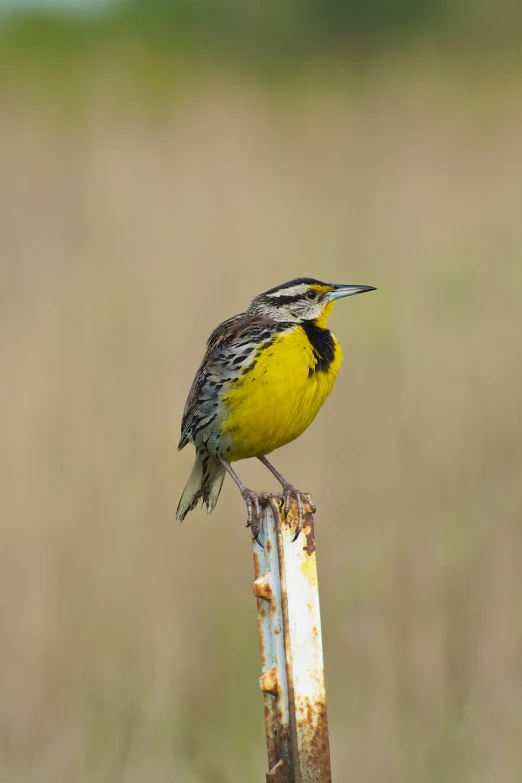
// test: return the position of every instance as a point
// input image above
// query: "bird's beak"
(338, 291)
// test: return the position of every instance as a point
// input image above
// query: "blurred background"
(162, 163)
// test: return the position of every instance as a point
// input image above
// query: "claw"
(253, 502)
(290, 492)
(311, 503)
(255, 534)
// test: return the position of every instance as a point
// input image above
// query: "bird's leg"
(252, 499)
(289, 492)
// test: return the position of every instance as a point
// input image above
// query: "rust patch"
(269, 682)
(263, 651)
(308, 530)
(262, 587)
(257, 565)
(309, 566)
(279, 773)
(270, 726)
(315, 745)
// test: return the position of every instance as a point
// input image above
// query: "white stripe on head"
(294, 290)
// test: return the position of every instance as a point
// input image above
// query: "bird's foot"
(254, 501)
(292, 493)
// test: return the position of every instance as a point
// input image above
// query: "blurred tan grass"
(130, 648)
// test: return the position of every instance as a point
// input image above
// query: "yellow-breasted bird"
(264, 376)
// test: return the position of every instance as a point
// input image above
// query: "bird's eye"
(311, 295)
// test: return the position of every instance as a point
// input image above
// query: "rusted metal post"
(292, 666)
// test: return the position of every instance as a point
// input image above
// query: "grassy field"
(131, 224)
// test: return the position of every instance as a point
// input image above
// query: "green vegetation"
(276, 31)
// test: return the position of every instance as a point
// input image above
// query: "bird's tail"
(204, 483)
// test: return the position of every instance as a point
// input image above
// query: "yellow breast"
(279, 398)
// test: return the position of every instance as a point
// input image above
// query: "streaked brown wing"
(232, 335)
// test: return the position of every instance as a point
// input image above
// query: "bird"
(264, 377)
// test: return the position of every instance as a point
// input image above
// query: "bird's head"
(303, 299)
